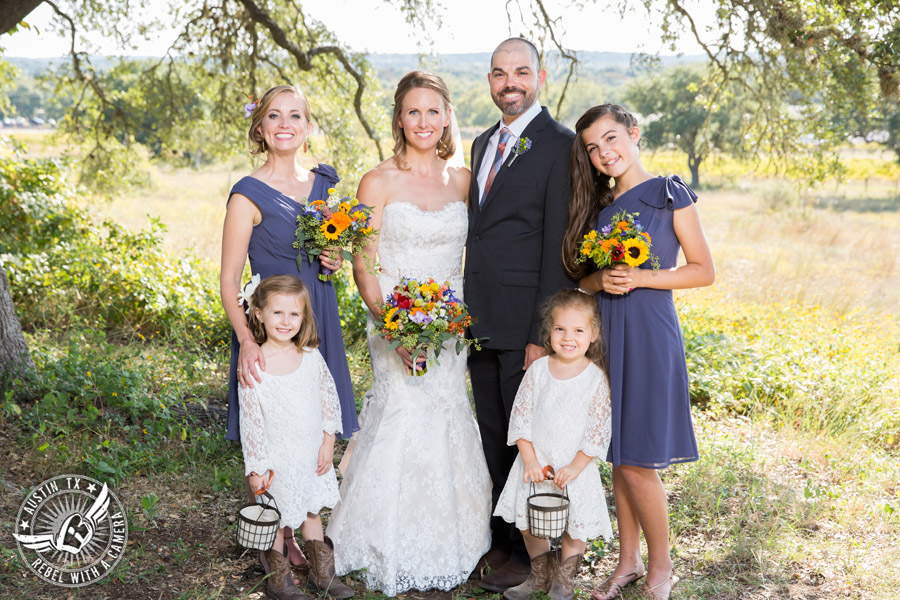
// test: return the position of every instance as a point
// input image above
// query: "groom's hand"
(532, 353)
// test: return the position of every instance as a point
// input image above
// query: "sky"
(379, 27)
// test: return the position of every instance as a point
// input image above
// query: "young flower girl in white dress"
(561, 419)
(288, 424)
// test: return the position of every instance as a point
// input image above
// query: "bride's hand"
(331, 258)
(406, 357)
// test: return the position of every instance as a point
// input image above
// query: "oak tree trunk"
(14, 356)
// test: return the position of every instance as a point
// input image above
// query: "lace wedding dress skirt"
(416, 498)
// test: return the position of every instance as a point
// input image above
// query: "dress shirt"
(515, 128)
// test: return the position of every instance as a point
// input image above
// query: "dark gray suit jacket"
(513, 252)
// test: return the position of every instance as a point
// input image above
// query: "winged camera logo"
(71, 530)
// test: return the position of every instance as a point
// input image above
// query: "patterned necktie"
(501, 147)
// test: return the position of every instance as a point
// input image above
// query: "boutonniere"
(521, 147)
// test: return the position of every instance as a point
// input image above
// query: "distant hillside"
(601, 77)
(609, 68)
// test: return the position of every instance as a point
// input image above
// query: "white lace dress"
(416, 498)
(282, 424)
(561, 417)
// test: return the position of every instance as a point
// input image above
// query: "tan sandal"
(613, 586)
(650, 593)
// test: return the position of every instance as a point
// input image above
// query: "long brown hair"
(591, 191)
(287, 285)
(254, 135)
(429, 81)
(572, 298)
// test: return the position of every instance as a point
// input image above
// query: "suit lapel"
(478, 148)
(533, 132)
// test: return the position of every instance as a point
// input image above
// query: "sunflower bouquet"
(333, 222)
(420, 316)
(622, 241)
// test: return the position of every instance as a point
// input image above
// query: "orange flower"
(318, 204)
(647, 235)
(341, 220)
(622, 225)
(607, 245)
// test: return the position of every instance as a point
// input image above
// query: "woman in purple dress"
(651, 419)
(260, 222)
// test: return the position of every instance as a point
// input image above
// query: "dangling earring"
(304, 147)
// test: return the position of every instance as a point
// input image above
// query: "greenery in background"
(66, 266)
(679, 111)
(797, 366)
(111, 410)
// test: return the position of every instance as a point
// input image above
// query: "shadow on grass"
(861, 205)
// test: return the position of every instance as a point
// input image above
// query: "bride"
(416, 498)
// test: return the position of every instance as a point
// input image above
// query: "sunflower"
(389, 321)
(330, 230)
(342, 220)
(636, 252)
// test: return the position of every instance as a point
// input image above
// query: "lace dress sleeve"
(331, 405)
(522, 410)
(253, 432)
(595, 441)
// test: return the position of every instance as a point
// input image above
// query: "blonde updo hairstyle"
(429, 81)
(288, 285)
(257, 141)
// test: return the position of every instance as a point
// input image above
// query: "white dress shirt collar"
(518, 126)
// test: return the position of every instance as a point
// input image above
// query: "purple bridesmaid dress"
(271, 253)
(651, 412)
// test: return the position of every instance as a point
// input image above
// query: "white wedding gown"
(416, 498)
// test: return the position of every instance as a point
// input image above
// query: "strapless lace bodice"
(418, 244)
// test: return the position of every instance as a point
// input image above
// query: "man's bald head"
(517, 43)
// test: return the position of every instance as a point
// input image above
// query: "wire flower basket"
(258, 524)
(548, 512)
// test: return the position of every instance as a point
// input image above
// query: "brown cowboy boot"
(562, 581)
(279, 585)
(322, 577)
(538, 580)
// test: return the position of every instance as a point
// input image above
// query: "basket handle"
(550, 473)
(264, 489)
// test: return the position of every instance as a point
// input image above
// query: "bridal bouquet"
(419, 316)
(621, 241)
(335, 221)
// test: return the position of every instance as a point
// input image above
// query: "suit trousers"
(495, 376)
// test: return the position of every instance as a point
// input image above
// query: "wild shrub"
(799, 366)
(63, 263)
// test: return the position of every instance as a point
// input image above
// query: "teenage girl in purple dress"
(651, 419)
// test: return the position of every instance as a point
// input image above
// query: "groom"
(518, 211)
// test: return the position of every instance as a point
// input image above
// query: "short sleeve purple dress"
(651, 412)
(271, 253)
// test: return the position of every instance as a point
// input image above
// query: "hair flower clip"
(521, 147)
(246, 295)
(249, 107)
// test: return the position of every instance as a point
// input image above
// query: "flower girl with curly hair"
(288, 425)
(561, 419)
